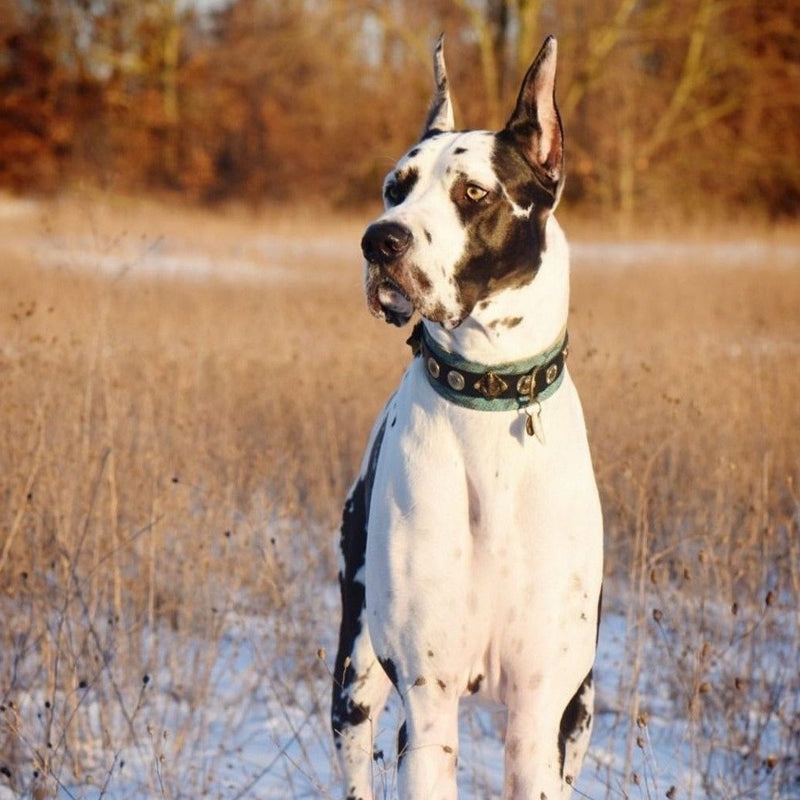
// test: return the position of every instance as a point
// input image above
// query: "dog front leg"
(532, 768)
(360, 690)
(545, 745)
(429, 752)
(360, 685)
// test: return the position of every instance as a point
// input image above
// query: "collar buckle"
(526, 386)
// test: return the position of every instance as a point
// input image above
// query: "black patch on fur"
(503, 251)
(541, 184)
(599, 612)
(402, 742)
(460, 151)
(432, 133)
(575, 719)
(474, 686)
(506, 322)
(527, 187)
(390, 669)
(353, 544)
(400, 185)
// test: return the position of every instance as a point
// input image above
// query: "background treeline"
(672, 106)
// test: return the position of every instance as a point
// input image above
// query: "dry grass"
(689, 382)
(174, 449)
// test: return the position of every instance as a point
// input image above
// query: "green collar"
(502, 387)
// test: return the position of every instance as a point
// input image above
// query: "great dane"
(471, 545)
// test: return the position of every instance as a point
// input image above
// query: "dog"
(471, 542)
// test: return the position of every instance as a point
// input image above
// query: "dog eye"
(475, 193)
(393, 193)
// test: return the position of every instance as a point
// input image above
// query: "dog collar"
(504, 387)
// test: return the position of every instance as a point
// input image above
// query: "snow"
(257, 725)
(650, 253)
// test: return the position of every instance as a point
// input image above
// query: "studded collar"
(504, 387)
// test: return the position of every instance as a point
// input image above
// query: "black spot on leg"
(353, 543)
(390, 669)
(460, 151)
(402, 742)
(599, 611)
(575, 719)
(473, 687)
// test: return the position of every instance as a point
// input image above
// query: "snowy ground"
(261, 732)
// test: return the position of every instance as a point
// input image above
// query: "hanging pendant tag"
(533, 422)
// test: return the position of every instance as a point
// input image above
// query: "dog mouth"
(387, 299)
(392, 297)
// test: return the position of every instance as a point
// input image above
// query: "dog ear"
(440, 114)
(535, 124)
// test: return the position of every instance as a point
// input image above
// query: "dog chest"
(476, 529)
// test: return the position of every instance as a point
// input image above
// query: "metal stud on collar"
(456, 380)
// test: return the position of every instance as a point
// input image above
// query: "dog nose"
(384, 242)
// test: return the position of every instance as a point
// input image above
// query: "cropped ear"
(535, 124)
(440, 113)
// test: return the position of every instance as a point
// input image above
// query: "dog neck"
(513, 325)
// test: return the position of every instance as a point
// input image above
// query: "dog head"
(465, 212)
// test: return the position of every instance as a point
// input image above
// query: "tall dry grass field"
(175, 451)
(690, 382)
